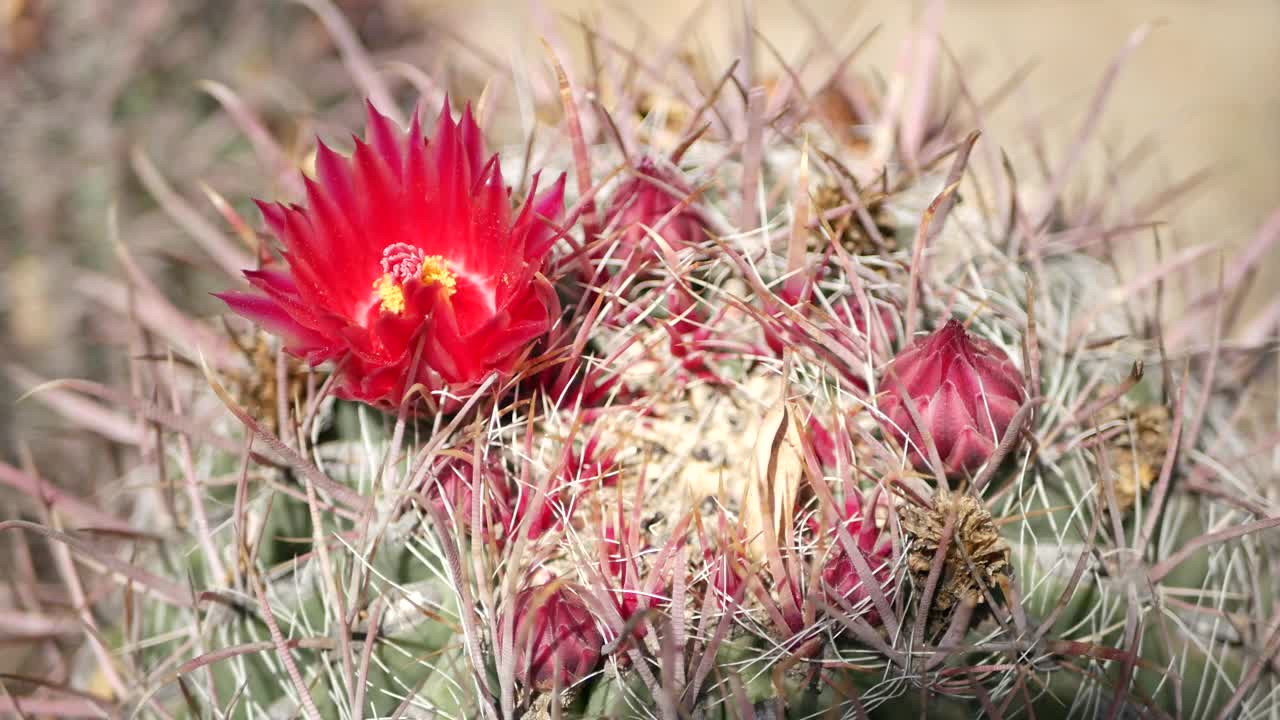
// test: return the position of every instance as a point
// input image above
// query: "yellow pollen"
(436, 270)
(390, 294)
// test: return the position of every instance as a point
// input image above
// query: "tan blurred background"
(1205, 84)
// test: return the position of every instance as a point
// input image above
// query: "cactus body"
(658, 459)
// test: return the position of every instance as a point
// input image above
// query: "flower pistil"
(402, 262)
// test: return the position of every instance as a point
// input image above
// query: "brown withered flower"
(976, 556)
(848, 229)
(256, 388)
(1137, 449)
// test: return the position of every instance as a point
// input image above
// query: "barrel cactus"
(718, 396)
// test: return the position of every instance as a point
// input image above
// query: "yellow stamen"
(436, 270)
(390, 294)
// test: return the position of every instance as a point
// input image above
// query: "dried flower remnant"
(966, 391)
(1137, 451)
(974, 539)
(847, 229)
(408, 242)
(257, 389)
(554, 631)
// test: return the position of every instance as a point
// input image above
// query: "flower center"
(436, 270)
(402, 262)
(390, 294)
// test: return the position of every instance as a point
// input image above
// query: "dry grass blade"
(166, 590)
(77, 509)
(355, 57)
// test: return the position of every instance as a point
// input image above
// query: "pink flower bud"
(840, 578)
(642, 201)
(554, 629)
(966, 390)
(451, 489)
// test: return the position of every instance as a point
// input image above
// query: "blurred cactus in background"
(711, 394)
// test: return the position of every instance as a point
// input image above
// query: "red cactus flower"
(840, 578)
(408, 241)
(642, 201)
(554, 629)
(966, 391)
